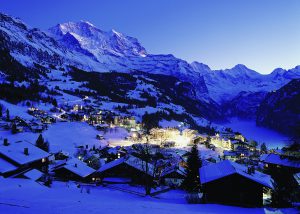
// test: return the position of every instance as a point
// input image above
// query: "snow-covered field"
(61, 136)
(249, 129)
(116, 137)
(25, 196)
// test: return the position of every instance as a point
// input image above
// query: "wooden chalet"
(230, 183)
(20, 157)
(129, 167)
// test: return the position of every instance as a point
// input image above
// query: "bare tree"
(149, 157)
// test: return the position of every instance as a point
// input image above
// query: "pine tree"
(263, 148)
(42, 144)
(192, 180)
(7, 115)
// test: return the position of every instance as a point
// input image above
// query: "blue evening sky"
(262, 34)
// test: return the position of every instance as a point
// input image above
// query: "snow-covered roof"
(171, 169)
(104, 125)
(225, 168)
(279, 160)
(111, 164)
(79, 168)
(139, 164)
(6, 166)
(132, 161)
(15, 152)
(33, 174)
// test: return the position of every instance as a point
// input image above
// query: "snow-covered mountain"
(86, 36)
(224, 85)
(82, 45)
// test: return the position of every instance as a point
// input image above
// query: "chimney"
(75, 165)
(26, 152)
(5, 142)
(251, 170)
(86, 146)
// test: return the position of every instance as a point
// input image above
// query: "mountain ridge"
(83, 45)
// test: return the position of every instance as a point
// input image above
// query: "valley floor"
(25, 196)
(249, 129)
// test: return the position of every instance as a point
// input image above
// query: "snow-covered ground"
(26, 196)
(61, 136)
(249, 129)
(16, 110)
(116, 137)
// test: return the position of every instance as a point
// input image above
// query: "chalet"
(230, 183)
(77, 107)
(230, 155)
(19, 128)
(168, 144)
(274, 162)
(117, 120)
(37, 128)
(20, 122)
(102, 127)
(75, 170)
(173, 176)
(95, 118)
(129, 167)
(130, 122)
(100, 137)
(36, 112)
(240, 137)
(219, 141)
(48, 119)
(200, 138)
(237, 144)
(23, 156)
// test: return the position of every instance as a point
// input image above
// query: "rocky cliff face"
(281, 108)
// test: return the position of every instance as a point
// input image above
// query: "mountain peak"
(87, 23)
(241, 67)
(200, 67)
(98, 42)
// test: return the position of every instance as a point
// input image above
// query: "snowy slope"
(26, 196)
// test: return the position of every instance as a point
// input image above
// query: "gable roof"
(78, 167)
(111, 164)
(6, 166)
(225, 168)
(15, 152)
(130, 160)
(279, 160)
(171, 169)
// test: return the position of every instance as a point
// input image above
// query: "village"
(126, 156)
